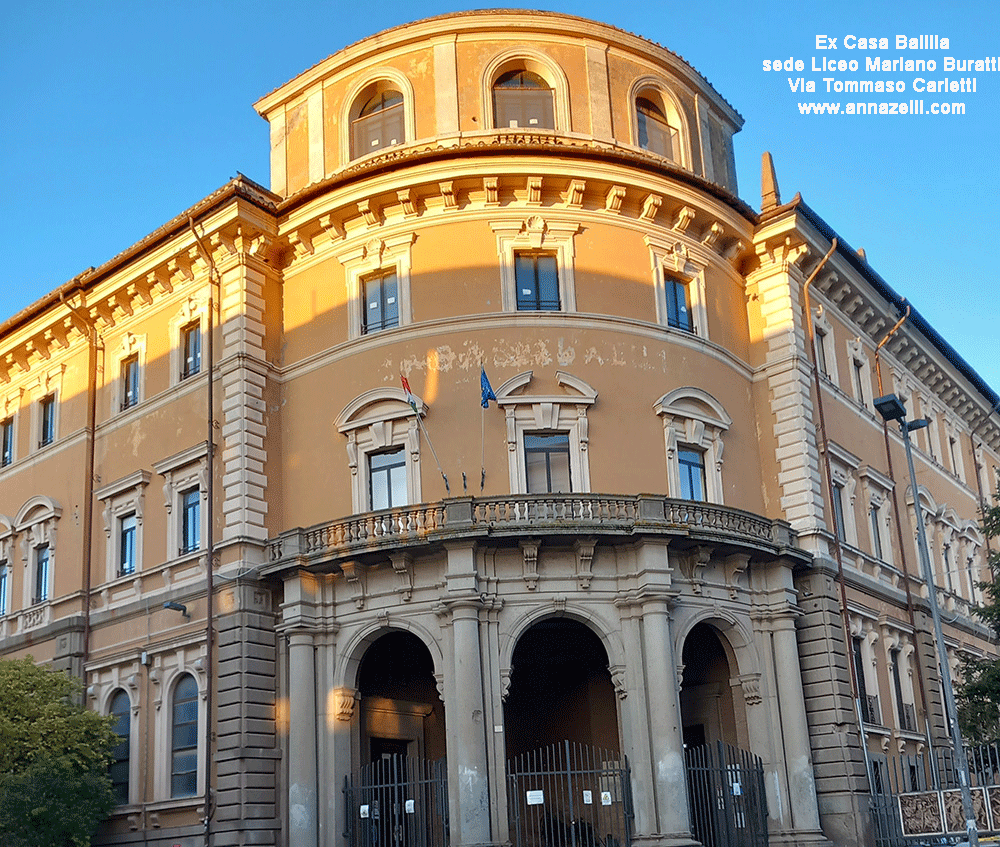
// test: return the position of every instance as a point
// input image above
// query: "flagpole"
(482, 441)
(416, 412)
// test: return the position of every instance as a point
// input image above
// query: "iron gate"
(398, 802)
(569, 795)
(726, 794)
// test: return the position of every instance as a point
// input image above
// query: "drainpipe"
(902, 543)
(838, 553)
(210, 539)
(93, 343)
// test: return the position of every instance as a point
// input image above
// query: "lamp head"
(176, 607)
(890, 407)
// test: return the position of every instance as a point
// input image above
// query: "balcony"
(870, 711)
(518, 515)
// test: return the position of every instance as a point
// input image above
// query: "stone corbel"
(693, 564)
(402, 564)
(614, 197)
(584, 561)
(447, 188)
(439, 685)
(650, 206)
(574, 194)
(369, 213)
(683, 219)
(159, 281)
(750, 683)
(180, 267)
(736, 569)
(491, 185)
(529, 549)
(346, 700)
(124, 302)
(712, 234)
(352, 573)
(534, 191)
(504, 683)
(733, 251)
(301, 243)
(332, 227)
(407, 198)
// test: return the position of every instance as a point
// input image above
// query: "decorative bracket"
(529, 549)
(736, 568)
(693, 564)
(402, 564)
(352, 573)
(584, 561)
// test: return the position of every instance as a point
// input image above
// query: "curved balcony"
(536, 515)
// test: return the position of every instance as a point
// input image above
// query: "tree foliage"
(978, 695)
(54, 757)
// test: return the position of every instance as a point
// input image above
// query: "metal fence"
(398, 802)
(569, 795)
(726, 795)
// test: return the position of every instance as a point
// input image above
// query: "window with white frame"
(694, 426)
(860, 372)
(377, 274)
(876, 488)
(124, 505)
(383, 449)
(843, 495)
(185, 489)
(184, 738)
(4, 587)
(6, 559)
(190, 349)
(36, 526)
(547, 434)
(826, 356)
(130, 382)
(118, 770)
(47, 420)
(678, 286)
(864, 634)
(537, 257)
(658, 125)
(131, 355)
(378, 119)
(7, 441)
(523, 89)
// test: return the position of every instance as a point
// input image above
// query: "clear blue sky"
(118, 116)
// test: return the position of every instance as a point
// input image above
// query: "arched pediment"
(579, 391)
(378, 404)
(38, 508)
(691, 402)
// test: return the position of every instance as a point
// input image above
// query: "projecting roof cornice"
(793, 234)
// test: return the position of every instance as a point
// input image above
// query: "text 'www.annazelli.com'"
(906, 107)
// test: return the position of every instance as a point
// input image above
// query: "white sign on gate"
(605, 798)
(588, 798)
(535, 798)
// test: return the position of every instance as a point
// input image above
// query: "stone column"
(665, 731)
(794, 729)
(302, 742)
(465, 720)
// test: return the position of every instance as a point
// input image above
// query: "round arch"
(655, 89)
(38, 508)
(388, 78)
(529, 59)
(735, 636)
(354, 651)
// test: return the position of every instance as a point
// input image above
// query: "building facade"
(302, 583)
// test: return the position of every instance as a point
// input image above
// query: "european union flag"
(487, 388)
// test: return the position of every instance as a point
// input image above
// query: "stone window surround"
(193, 310)
(876, 490)
(395, 80)
(9, 412)
(868, 631)
(670, 257)
(166, 673)
(527, 413)
(537, 234)
(702, 428)
(857, 357)
(36, 524)
(6, 561)
(843, 469)
(131, 345)
(182, 472)
(392, 423)
(105, 682)
(374, 255)
(674, 114)
(121, 498)
(47, 384)
(526, 58)
(893, 640)
(824, 335)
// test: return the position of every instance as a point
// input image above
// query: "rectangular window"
(3, 588)
(47, 428)
(859, 672)
(837, 495)
(387, 479)
(184, 739)
(190, 520)
(546, 458)
(876, 537)
(897, 684)
(678, 305)
(692, 468)
(41, 574)
(126, 544)
(821, 353)
(130, 382)
(121, 753)
(859, 381)
(6, 442)
(191, 350)
(381, 307)
(536, 278)
(946, 556)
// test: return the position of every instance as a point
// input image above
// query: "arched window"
(377, 119)
(184, 739)
(654, 130)
(121, 710)
(523, 99)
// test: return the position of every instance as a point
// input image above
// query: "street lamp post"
(891, 408)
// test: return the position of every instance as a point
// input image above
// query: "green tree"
(978, 694)
(54, 757)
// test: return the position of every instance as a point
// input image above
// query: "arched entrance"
(567, 781)
(401, 783)
(725, 780)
